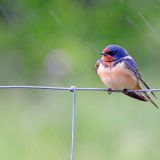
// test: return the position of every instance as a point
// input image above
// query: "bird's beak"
(104, 54)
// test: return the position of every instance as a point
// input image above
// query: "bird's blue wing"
(131, 65)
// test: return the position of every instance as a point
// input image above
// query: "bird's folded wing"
(131, 65)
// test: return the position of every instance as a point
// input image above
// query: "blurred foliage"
(31, 30)
(56, 42)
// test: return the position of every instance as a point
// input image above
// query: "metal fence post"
(73, 90)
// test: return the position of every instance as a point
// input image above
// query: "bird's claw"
(125, 91)
(109, 90)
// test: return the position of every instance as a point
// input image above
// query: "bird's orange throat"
(108, 64)
(108, 60)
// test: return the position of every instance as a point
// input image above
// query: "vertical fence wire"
(73, 90)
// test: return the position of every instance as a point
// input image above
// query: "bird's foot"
(109, 90)
(125, 91)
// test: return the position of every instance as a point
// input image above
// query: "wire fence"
(73, 90)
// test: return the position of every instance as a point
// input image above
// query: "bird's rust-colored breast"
(118, 77)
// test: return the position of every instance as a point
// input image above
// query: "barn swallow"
(119, 71)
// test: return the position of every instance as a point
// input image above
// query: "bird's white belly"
(117, 77)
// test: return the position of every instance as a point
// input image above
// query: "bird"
(119, 71)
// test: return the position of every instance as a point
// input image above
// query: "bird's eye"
(112, 53)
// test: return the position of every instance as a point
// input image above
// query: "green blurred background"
(56, 43)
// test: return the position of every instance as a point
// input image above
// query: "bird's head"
(113, 52)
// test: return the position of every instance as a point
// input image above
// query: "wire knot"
(73, 89)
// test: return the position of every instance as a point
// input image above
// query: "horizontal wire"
(110, 90)
(35, 87)
(72, 88)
